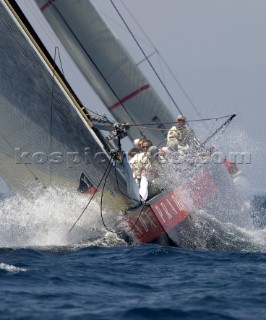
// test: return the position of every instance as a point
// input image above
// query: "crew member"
(139, 160)
(135, 150)
(149, 172)
(181, 136)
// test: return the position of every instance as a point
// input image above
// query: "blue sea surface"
(48, 273)
(141, 282)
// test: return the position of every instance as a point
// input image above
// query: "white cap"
(180, 117)
(136, 141)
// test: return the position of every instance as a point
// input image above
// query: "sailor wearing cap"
(180, 135)
(147, 171)
(140, 160)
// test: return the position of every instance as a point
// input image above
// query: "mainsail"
(107, 66)
(46, 137)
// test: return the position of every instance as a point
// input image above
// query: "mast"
(107, 66)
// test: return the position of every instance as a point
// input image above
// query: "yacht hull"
(163, 218)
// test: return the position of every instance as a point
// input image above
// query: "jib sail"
(46, 137)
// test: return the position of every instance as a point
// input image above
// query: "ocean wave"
(11, 268)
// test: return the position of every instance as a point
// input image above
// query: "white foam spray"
(232, 226)
(11, 268)
(46, 217)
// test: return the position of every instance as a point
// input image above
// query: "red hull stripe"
(129, 96)
(47, 4)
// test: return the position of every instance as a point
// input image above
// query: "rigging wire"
(101, 205)
(85, 208)
(92, 61)
(101, 202)
(105, 177)
(170, 123)
(61, 64)
(53, 42)
(102, 117)
(146, 57)
(223, 126)
(164, 61)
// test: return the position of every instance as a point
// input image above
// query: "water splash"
(233, 225)
(204, 232)
(46, 217)
(236, 139)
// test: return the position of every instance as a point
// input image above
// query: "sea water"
(48, 273)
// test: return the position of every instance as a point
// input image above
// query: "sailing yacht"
(48, 138)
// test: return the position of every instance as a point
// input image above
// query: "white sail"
(46, 138)
(107, 66)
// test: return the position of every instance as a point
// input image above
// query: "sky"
(216, 49)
